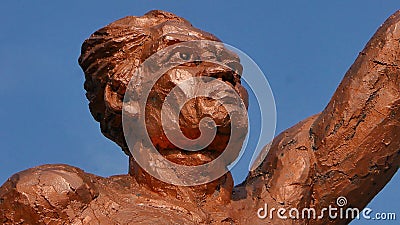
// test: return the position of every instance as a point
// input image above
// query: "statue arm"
(350, 149)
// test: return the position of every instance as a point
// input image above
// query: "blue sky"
(303, 48)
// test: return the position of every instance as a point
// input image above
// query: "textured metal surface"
(350, 149)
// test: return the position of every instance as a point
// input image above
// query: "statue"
(350, 149)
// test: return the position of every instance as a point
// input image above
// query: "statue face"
(195, 108)
(127, 43)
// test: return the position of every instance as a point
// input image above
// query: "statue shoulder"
(48, 192)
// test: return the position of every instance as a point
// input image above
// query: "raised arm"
(352, 148)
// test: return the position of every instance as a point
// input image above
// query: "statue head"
(109, 59)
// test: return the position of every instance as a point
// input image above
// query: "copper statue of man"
(350, 149)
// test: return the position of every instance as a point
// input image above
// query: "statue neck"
(219, 190)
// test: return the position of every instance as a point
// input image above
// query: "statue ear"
(112, 99)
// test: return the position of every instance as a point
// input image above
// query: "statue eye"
(184, 55)
(178, 55)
